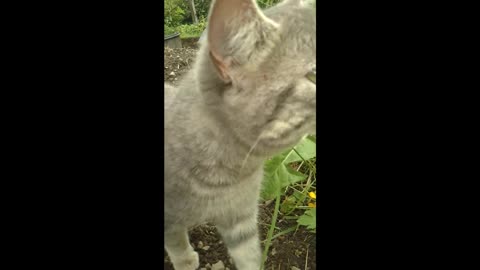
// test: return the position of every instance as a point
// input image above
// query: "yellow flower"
(312, 195)
(312, 205)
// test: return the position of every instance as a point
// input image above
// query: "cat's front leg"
(243, 242)
(181, 253)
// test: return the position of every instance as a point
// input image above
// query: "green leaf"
(306, 148)
(299, 196)
(271, 187)
(288, 204)
(279, 175)
(309, 219)
(289, 176)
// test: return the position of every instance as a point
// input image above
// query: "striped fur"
(245, 99)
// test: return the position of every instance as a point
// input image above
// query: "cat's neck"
(222, 143)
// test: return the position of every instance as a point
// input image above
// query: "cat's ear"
(239, 35)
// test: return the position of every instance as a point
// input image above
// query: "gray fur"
(211, 172)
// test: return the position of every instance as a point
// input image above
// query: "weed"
(290, 179)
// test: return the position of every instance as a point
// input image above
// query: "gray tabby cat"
(246, 99)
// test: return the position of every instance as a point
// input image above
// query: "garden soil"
(292, 251)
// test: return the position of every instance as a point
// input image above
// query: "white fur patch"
(247, 255)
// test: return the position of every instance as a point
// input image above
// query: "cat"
(247, 98)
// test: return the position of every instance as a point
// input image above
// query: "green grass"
(187, 30)
(270, 231)
(168, 30)
(187, 35)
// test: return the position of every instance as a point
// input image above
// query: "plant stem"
(270, 231)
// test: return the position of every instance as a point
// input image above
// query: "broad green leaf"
(309, 219)
(271, 187)
(289, 176)
(306, 148)
(278, 176)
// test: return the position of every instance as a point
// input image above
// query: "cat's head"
(254, 70)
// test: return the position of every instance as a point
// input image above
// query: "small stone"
(274, 251)
(206, 248)
(208, 266)
(172, 73)
(200, 244)
(218, 266)
(294, 268)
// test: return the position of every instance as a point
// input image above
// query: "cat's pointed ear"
(239, 35)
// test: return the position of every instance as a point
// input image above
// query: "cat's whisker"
(251, 150)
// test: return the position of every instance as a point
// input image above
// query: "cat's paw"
(188, 262)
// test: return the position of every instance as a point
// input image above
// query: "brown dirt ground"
(295, 249)
(177, 63)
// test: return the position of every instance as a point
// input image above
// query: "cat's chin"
(273, 148)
